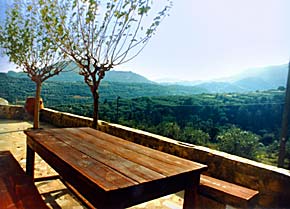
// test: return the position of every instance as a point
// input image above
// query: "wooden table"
(111, 172)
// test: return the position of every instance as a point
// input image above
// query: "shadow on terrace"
(268, 186)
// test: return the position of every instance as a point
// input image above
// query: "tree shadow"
(51, 197)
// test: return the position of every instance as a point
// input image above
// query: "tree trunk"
(284, 129)
(36, 106)
(96, 109)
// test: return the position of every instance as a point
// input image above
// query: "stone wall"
(270, 181)
(63, 119)
(273, 183)
(12, 112)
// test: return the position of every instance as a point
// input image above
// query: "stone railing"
(272, 183)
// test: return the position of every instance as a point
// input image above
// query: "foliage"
(197, 118)
(240, 142)
(24, 39)
(99, 35)
(169, 129)
(195, 136)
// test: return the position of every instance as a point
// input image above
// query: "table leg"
(30, 156)
(190, 193)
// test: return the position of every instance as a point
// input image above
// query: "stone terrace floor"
(54, 192)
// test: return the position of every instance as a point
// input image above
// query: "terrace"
(271, 182)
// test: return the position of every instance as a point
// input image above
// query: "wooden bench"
(17, 190)
(227, 193)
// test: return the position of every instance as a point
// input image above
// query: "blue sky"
(207, 39)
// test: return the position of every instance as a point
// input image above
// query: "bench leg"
(190, 193)
(30, 156)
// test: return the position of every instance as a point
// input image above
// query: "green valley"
(185, 113)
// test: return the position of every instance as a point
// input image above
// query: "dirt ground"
(55, 194)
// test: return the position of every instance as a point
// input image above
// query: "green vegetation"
(100, 35)
(245, 124)
(26, 42)
(239, 142)
(18, 88)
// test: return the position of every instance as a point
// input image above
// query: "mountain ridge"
(111, 76)
(24, 87)
(254, 79)
(262, 78)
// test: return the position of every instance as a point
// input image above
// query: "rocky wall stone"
(61, 119)
(12, 112)
(273, 183)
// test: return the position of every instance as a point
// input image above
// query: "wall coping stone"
(201, 148)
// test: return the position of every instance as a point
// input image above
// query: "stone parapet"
(12, 112)
(63, 119)
(272, 183)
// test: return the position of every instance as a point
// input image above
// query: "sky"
(209, 39)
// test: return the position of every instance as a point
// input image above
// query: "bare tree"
(99, 35)
(285, 119)
(24, 39)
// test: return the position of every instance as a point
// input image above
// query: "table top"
(93, 161)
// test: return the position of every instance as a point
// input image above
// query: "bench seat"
(226, 193)
(17, 190)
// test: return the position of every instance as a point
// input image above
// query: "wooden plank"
(171, 160)
(91, 190)
(127, 154)
(85, 166)
(128, 168)
(84, 186)
(72, 153)
(153, 159)
(155, 154)
(226, 192)
(144, 160)
(17, 190)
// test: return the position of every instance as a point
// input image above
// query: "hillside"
(111, 76)
(220, 87)
(54, 92)
(251, 80)
(265, 78)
